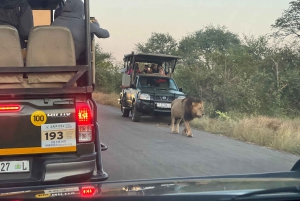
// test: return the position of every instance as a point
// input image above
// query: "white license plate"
(164, 105)
(14, 166)
(58, 135)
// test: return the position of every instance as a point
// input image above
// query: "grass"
(107, 99)
(275, 133)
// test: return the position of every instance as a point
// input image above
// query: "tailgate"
(34, 126)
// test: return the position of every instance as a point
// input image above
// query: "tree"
(158, 43)
(289, 23)
(108, 78)
(246, 75)
(208, 63)
(230, 73)
(196, 47)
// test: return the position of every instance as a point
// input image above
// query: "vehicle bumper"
(49, 169)
(58, 171)
(149, 107)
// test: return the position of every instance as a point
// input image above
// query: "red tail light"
(9, 108)
(87, 191)
(84, 119)
(84, 115)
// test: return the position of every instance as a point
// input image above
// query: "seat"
(10, 56)
(50, 46)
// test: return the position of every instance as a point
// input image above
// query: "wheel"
(136, 115)
(125, 112)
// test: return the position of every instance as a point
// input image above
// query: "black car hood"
(232, 184)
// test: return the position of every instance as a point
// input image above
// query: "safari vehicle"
(149, 94)
(48, 118)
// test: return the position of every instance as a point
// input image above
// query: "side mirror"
(180, 89)
(132, 86)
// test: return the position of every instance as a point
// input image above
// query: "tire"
(136, 115)
(125, 112)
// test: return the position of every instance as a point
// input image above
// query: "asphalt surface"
(148, 150)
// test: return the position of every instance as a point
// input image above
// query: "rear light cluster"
(88, 191)
(84, 120)
(9, 108)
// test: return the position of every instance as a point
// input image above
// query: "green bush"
(108, 78)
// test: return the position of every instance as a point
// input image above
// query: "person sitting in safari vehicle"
(136, 67)
(146, 69)
(72, 17)
(150, 70)
(143, 82)
(17, 13)
(161, 70)
(154, 68)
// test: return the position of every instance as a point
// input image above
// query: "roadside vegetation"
(276, 133)
(250, 84)
(107, 98)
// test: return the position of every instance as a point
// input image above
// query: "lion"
(186, 109)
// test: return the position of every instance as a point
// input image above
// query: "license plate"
(58, 135)
(14, 166)
(164, 105)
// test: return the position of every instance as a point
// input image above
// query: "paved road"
(148, 150)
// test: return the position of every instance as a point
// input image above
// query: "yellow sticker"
(43, 195)
(38, 118)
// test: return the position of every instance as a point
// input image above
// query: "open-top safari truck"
(48, 118)
(148, 93)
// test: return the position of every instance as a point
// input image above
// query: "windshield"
(241, 58)
(157, 82)
(154, 89)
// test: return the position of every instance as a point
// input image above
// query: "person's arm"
(99, 32)
(57, 12)
(129, 72)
